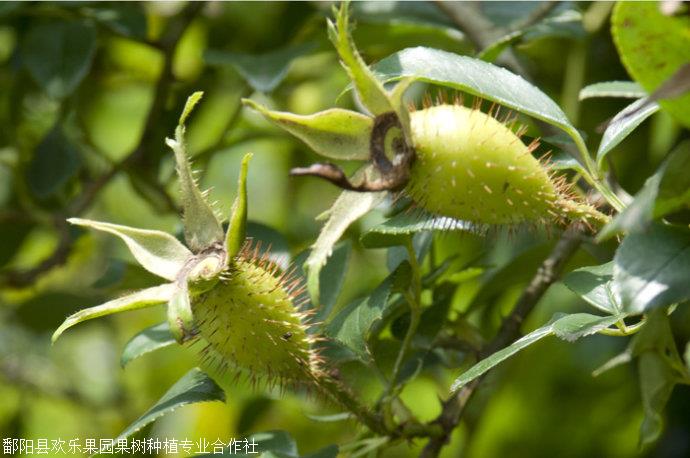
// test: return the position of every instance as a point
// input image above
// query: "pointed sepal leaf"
(368, 88)
(195, 386)
(201, 226)
(349, 207)
(138, 300)
(237, 229)
(180, 316)
(158, 252)
(334, 133)
(150, 339)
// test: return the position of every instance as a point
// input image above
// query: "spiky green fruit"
(470, 166)
(250, 319)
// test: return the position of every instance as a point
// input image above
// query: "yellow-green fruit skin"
(250, 319)
(470, 166)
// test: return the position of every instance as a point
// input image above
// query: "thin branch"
(549, 271)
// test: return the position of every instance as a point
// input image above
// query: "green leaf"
(140, 299)
(660, 368)
(568, 327)
(347, 209)
(331, 418)
(593, 284)
(180, 316)
(674, 187)
(58, 54)
(352, 326)
(150, 339)
(334, 133)
(193, 387)
(332, 278)
(127, 18)
(650, 57)
(475, 77)
(237, 229)
(158, 252)
(623, 124)
(201, 226)
(395, 230)
(652, 268)
(53, 163)
(369, 90)
(263, 72)
(667, 191)
(619, 89)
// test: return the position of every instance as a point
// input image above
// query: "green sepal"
(201, 226)
(158, 252)
(141, 299)
(334, 133)
(180, 316)
(369, 89)
(237, 228)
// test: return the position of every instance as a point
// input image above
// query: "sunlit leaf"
(140, 299)
(150, 339)
(593, 284)
(652, 58)
(334, 133)
(158, 252)
(623, 124)
(395, 230)
(652, 268)
(475, 77)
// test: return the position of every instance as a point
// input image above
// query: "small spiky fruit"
(470, 166)
(250, 318)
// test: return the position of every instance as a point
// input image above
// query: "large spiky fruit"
(470, 166)
(250, 319)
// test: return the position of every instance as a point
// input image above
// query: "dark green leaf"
(150, 339)
(660, 368)
(621, 89)
(330, 451)
(652, 268)
(666, 191)
(568, 327)
(623, 124)
(126, 18)
(53, 163)
(352, 326)
(58, 54)
(264, 72)
(593, 284)
(193, 387)
(332, 279)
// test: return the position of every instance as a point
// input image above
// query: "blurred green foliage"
(89, 91)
